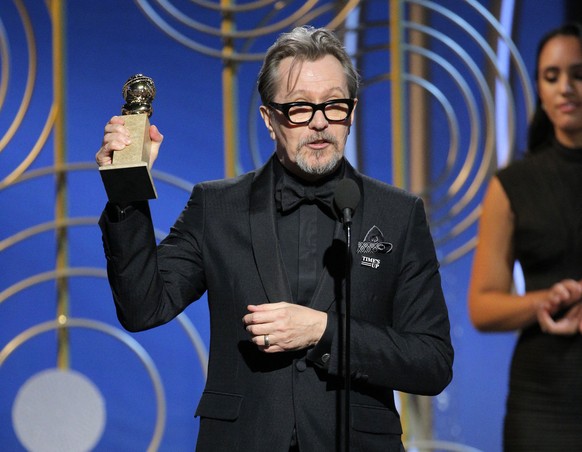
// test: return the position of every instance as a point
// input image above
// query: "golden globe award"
(128, 178)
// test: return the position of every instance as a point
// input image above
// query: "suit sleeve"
(413, 353)
(153, 284)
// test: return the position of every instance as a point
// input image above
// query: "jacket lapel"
(266, 249)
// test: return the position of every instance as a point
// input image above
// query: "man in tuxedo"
(268, 247)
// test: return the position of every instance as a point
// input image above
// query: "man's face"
(314, 149)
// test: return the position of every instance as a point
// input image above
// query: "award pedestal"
(128, 178)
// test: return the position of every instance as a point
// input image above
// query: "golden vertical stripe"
(57, 9)
(404, 414)
(229, 94)
(399, 160)
(418, 143)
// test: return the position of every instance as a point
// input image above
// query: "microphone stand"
(346, 337)
(346, 199)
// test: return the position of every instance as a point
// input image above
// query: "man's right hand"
(117, 137)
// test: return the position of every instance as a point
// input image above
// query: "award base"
(128, 178)
(128, 183)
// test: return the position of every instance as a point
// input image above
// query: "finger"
(544, 320)
(573, 288)
(115, 138)
(261, 314)
(257, 330)
(271, 349)
(264, 340)
(254, 319)
(118, 119)
(267, 340)
(116, 127)
(567, 325)
(559, 292)
(566, 328)
(576, 290)
(104, 155)
(267, 306)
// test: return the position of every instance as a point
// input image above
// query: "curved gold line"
(189, 328)
(470, 100)
(123, 337)
(50, 275)
(459, 252)
(29, 79)
(233, 34)
(515, 58)
(342, 14)
(337, 21)
(435, 444)
(197, 342)
(51, 225)
(488, 161)
(234, 8)
(295, 18)
(34, 152)
(4, 75)
(170, 179)
(470, 219)
(24, 234)
(488, 151)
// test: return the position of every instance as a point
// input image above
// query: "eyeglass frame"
(284, 108)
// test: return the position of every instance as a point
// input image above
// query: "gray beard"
(316, 169)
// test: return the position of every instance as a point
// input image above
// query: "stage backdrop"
(445, 99)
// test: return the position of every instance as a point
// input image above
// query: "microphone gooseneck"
(347, 197)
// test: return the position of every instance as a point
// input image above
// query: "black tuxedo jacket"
(225, 243)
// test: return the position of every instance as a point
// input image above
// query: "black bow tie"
(291, 195)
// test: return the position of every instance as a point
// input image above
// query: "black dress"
(544, 405)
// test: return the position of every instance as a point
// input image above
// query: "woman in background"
(532, 213)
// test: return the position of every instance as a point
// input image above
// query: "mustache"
(320, 136)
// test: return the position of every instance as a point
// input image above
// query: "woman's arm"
(492, 306)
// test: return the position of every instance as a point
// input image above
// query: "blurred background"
(445, 100)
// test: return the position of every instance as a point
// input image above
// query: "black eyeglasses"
(336, 110)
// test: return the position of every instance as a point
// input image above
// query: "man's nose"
(318, 121)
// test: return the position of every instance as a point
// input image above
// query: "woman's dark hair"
(541, 129)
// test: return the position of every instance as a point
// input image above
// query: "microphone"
(346, 198)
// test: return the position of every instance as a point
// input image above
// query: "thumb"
(155, 135)
(157, 139)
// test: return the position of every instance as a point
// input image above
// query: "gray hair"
(304, 44)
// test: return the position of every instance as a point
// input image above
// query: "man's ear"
(352, 116)
(266, 115)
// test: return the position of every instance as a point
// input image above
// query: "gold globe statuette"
(128, 178)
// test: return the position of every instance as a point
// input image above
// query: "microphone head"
(347, 195)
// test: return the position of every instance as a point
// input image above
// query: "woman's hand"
(566, 294)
